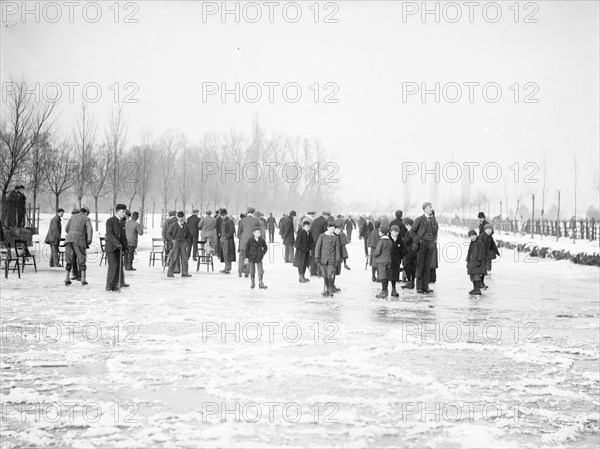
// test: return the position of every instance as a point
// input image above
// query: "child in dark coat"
(339, 231)
(304, 245)
(256, 248)
(372, 240)
(409, 261)
(398, 252)
(491, 250)
(476, 261)
(382, 259)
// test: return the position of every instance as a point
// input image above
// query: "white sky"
(369, 53)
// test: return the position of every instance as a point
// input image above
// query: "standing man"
(172, 219)
(208, 230)
(400, 223)
(218, 223)
(116, 243)
(271, 225)
(79, 237)
(178, 234)
(365, 231)
(192, 222)
(245, 229)
(424, 235)
(350, 225)
(287, 233)
(21, 207)
(10, 219)
(482, 222)
(227, 241)
(53, 237)
(132, 230)
(318, 227)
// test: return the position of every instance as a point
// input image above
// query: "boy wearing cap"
(424, 235)
(408, 263)
(178, 235)
(372, 240)
(382, 259)
(475, 261)
(490, 250)
(327, 254)
(132, 230)
(256, 248)
(116, 242)
(317, 227)
(304, 245)
(398, 252)
(339, 231)
(482, 222)
(53, 237)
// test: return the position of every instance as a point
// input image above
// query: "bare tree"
(168, 152)
(38, 160)
(61, 169)
(25, 123)
(596, 180)
(99, 178)
(117, 138)
(84, 137)
(130, 179)
(144, 155)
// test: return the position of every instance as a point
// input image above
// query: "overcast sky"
(369, 53)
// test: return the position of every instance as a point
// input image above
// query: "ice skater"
(475, 261)
(255, 249)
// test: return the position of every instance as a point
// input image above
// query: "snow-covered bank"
(582, 252)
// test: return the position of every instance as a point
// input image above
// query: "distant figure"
(53, 237)
(21, 207)
(192, 222)
(271, 225)
(132, 230)
(79, 237)
(227, 241)
(482, 222)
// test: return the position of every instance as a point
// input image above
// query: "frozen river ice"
(206, 361)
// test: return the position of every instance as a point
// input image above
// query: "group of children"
(482, 250)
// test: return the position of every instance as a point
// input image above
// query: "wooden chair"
(23, 254)
(6, 257)
(103, 249)
(157, 250)
(203, 257)
(61, 251)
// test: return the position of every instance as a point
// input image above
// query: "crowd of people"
(400, 252)
(15, 208)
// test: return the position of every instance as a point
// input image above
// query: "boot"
(330, 287)
(394, 292)
(301, 279)
(252, 283)
(68, 278)
(260, 283)
(83, 280)
(326, 288)
(346, 266)
(482, 283)
(410, 285)
(383, 294)
(373, 277)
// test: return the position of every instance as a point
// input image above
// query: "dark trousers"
(178, 255)
(75, 258)
(289, 253)
(256, 266)
(314, 268)
(54, 259)
(271, 235)
(193, 248)
(112, 277)
(129, 257)
(242, 268)
(424, 258)
(349, 235)
(366, 246)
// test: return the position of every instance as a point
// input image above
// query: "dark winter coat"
(327, 250)
(304, 244)
(256, 249)
(409, 260)
(177, 233)
(79, 230)
(287, 231)
(349, 224)
(192, 223)
(318, 227)
(383, 251)
(246, 227)
(398, 250)
(115, 234)
(491, 249)
(419, 229)
(54, 231)
(366, 229)
(227, 238)
(343, 242)
(476, 257)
